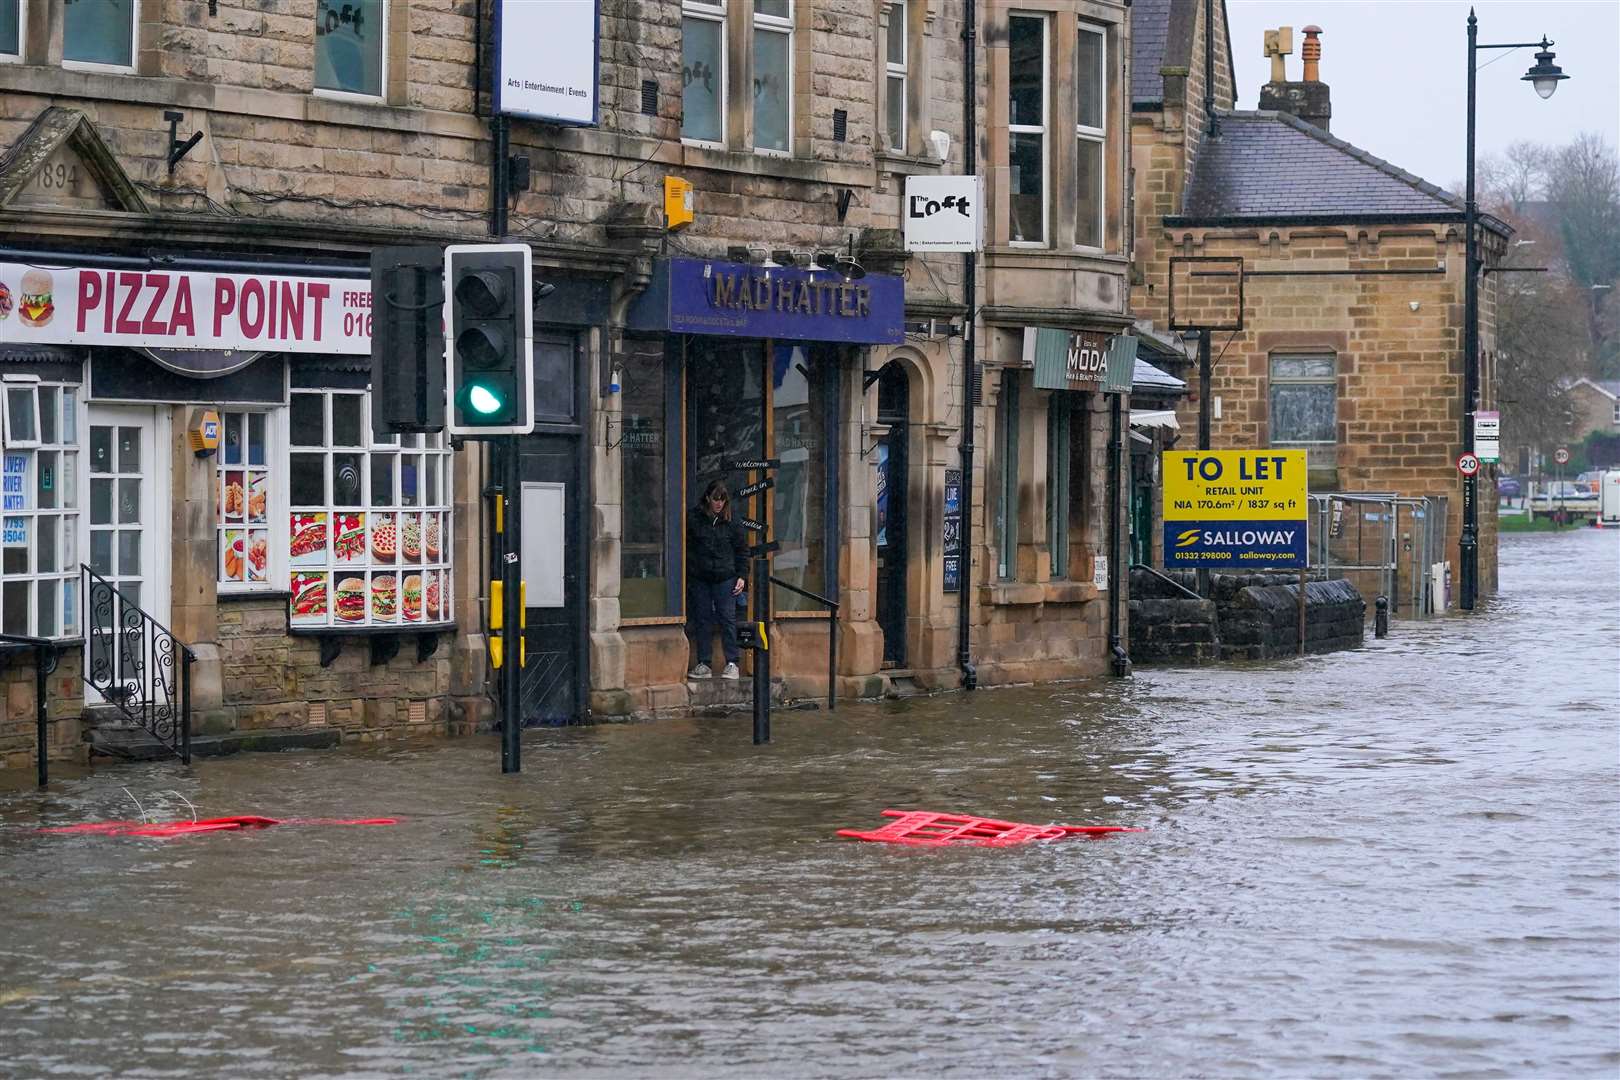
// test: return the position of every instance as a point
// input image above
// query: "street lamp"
(1545, 76)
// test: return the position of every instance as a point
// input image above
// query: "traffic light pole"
(511, 608)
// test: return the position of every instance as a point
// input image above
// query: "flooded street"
(1391, 862)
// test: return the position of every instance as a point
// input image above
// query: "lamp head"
(1544, 75)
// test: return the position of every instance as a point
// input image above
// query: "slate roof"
(1148, 377)
(1271, 166)
(1150, 30)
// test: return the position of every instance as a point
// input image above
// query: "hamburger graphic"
(384, 596)
(413, 597)
(37, 304)
(351, 599)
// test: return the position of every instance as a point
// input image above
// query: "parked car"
(1508, 487)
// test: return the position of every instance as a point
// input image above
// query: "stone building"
(1352, 289)
(190, 196)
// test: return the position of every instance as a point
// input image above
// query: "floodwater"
(1398, 861)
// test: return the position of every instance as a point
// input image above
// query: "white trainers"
(700, 672)
(730, 672)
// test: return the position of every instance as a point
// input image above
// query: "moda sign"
(178, 309)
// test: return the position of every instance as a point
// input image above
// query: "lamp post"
(1545, 76)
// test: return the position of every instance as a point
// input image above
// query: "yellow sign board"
(1235, 508)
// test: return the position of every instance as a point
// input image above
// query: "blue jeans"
(711, 606)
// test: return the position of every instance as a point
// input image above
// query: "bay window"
(773, 75)
(1091, 135)
(369, 523)
(100, 33)
(703, 71)
(1026, 128)
(894, 85)
(39, 530)
(349, 50)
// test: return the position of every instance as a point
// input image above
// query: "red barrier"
(164, 829)
(924, 828)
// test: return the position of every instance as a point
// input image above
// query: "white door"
(128, 547)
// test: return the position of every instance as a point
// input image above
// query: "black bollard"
(1381, 617)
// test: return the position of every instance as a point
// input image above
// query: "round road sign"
(1561, 456)
(1467, 464)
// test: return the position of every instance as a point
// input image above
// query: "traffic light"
(489, 315)
(407, 340)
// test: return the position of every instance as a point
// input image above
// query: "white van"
(1609, 498)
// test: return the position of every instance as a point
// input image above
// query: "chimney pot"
(1312, 53)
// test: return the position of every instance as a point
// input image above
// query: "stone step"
(134, 744)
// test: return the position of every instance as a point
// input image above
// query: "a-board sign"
(1226, 508)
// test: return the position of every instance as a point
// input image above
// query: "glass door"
(125, 543)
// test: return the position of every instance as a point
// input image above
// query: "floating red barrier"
(924, 828)
(207, 825)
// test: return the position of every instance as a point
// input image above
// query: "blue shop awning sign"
(706, 296)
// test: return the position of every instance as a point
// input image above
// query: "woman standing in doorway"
(716, 565)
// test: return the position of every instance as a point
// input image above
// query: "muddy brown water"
(1397, 861)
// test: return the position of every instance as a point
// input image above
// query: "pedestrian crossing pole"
(511, 497)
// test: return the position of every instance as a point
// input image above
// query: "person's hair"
(717, 487)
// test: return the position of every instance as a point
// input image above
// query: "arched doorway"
(894, 410)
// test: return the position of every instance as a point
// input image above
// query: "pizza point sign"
(182, 309)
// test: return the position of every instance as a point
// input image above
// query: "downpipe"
(970, 153)
(1119, 659)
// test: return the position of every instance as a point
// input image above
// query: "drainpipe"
(970, 164)
(1212, 124)
(1118, 657)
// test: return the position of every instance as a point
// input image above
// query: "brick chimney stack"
(1309, 99)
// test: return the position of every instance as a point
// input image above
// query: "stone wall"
(1247, 617)
(64, 702)
(273, 680)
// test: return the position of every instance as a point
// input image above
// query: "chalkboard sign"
(953, 530)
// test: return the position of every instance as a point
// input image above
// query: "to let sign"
(1235, 508)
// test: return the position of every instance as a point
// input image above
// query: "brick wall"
(64, 700)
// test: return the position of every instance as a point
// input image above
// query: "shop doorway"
(893, 460)
(553, 505)
(126, 538)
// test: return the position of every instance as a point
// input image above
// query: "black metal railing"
(44, 664)
(832, 636)
(137, 664)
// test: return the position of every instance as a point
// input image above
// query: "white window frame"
(22, 36)
(776, 24)
(70, 457)
(1617, 411)
(1043, 129)
(899, 71)
(9, 383)
(711, 11)
(367, 566)
(1098, 135)
(275, 468)
(115, 69)
(382, 66)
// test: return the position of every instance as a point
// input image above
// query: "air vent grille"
(649, 97)
(840, 125)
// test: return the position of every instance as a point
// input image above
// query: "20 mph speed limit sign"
(1467, 464)
(1561, 456)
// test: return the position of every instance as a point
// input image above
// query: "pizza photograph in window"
(307, 543)
(309, 600)
(410, 538)
(430, 596)
(431, 542)
(384, 538)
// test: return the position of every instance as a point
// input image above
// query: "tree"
(1583, 191)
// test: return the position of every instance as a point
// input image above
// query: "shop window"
(349, 36)
(1007, 478)
(703, 71)
(1091, 135)
(1304, 406)
(245, 556)
(10, 30)
(805, 382)
(1026, 128)
(100, 32)
(773, 75)
(368, 539)
(897, 77)
(39, 556)
(648, 560)
(1059, 458)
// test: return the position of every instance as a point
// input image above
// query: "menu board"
(368, 568)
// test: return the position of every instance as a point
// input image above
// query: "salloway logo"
(1187, 538)
(1234, 537)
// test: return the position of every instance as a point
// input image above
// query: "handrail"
(1168, 580)
(832, 636)
(160, 650)
(41, 722)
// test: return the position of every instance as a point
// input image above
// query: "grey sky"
(1398, 72)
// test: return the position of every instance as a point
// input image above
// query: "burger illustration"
(351, 599)
(384, 596)
(37, 304)
(413, 597)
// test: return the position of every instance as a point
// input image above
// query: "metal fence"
(1387, 544)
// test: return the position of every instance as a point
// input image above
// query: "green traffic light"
(483, 400)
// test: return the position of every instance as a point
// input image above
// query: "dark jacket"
(716, 549)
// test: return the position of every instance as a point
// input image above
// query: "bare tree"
(1516, 177)
(1583, 191)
